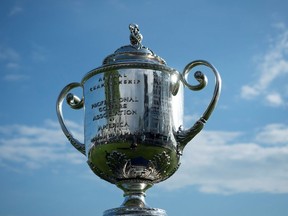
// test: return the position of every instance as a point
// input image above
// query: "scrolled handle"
(184, 136)
(74, 103)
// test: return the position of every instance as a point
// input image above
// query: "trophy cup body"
(133, 134)
(129, 121)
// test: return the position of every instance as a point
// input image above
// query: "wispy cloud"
(39, 53)
(120, 5)
(9, 54)
(15, 10)
(10, 61)
(12, 66)
(36, 146)
(216, 162)
(15, 77)
(272, 66)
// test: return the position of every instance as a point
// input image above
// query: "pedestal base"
(134, 211)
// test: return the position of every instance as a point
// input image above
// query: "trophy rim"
(129, 65)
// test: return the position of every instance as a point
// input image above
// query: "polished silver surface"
(133, 126)
(135, 211)
(128, 121)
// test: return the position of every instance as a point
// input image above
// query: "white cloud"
(36, 146)
(273, 134)
(216, 162)
(249, 92)
(274, 99)
(272, 66)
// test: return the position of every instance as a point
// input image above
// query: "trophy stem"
(134, 203)
(134, 200)
(134, 193)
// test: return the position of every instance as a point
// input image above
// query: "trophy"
(133, 133)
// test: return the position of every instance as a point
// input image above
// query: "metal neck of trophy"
(134, 200)
(134, 193)
(134, 203)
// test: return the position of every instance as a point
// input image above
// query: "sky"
(237, 165)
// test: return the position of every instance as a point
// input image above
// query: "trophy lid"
(135, 52)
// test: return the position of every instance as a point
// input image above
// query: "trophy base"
(135, 211)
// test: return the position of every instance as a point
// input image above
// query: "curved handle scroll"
(184, 136)
(74, 103)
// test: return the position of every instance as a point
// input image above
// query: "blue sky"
(238, 165)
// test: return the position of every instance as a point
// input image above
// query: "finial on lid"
(135, 36)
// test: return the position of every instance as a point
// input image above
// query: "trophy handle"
(75, 103)
(184, 136)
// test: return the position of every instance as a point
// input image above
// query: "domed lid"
(135, 52)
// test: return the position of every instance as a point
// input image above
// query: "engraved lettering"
(100, 116)
(128, 99)
(113, 125)
(113, 107)
(114, 79)
(98, 104)
(110, 113)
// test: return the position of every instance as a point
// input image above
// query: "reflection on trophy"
(133, 133)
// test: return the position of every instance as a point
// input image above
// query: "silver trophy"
(133, 133)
